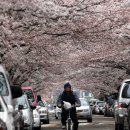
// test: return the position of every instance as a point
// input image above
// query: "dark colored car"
(109, 108)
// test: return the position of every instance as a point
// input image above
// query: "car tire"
(105, 114)
(38, 128)
(47, 121)
(89, 120)
(116, 126)
(119, 126)
(56, 117)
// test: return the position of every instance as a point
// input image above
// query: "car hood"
(35, 112)
(43, 108)
(82, 107)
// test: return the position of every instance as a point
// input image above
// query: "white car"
(99, 107)
(58, 112)
(6, 114)
(9, 93)
(27, 112)
(84, 111)
(37, 122)
(43, 111)
(2, 125)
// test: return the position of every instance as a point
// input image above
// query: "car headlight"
(35, 116)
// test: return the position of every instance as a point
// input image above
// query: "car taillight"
(119, 106)
(122, 105)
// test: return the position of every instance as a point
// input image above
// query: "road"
(99, 123)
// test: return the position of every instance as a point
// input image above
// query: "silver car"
(27, 112)
(58, 112)
(5, 114)
(3, 125)
(84, 111)
(121, 107)
(37, 122)
(99, 107)
(43, 111)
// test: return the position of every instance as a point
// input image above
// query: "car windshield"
(99, 103)
(84, 103)
(29, 94)
(3, 85)
(40, 103)
(21, 101)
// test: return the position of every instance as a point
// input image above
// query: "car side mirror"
(20, 107)
(16, 91)
(10, 109)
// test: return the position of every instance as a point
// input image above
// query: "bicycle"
(69, 123)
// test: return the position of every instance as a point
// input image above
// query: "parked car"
(6, 114)
(28, 90)
(110, 104)
(37, 122)
(3, 125)
(58, 112)
(84, 111)
(92, 103)
(27, 111)
(43, 111)
(121, 111)
(51, 109)
(9, 92)
(99, 107)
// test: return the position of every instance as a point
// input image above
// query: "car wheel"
(47, 121)
(56, 117)
(119, 126)
(89, 120)
(116, 126)
(38, 128)
(21, 128)
(105, 114)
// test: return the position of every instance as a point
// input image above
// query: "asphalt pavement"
(99, 123)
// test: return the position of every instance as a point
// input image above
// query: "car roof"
(126, 80)
(2, 69)
(27, 87)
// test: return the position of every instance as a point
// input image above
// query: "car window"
(29, 94)
(99, 103)
(1, 108)
(84, 103)
(3, 85)
(40, 103)
(126, 91)
(21, 101)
